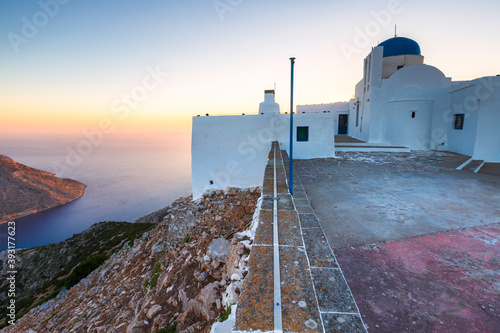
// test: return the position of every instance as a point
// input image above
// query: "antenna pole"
(290, 171)
(395, 33)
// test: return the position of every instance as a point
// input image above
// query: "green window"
(302, 133)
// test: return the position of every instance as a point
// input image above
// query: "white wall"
(366, 91)
(377, 67)
(315, 108)
(479, 100)
(351, 109)
(487, 145)
(412, 132)
(420, 88)
(462, 141)
(321, 135)
(232, 151)
(362, 131)
(335, 108)
(319, 108)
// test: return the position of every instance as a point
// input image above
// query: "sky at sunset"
(123, 65)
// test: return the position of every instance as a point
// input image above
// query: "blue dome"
(400, 46)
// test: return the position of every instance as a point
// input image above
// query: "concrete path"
(373, 197)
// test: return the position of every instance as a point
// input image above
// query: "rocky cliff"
(25, 190)
(178, 277)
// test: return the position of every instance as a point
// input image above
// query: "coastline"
(25, 190)
(12, 217)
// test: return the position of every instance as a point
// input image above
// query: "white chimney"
(269, 106)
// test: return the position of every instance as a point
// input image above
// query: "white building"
(232, 151)
(340, 112)
(399, 101)
(402, 101)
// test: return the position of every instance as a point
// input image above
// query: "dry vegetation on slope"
(42, 272)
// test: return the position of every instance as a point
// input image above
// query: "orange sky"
(151, 68)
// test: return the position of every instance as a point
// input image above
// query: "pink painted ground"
(447, 282)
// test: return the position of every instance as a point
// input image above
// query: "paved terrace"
(417, 239)
(311, 294)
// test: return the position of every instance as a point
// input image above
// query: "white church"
(402, 101)
(399, 101)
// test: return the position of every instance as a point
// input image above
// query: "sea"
(127, 176)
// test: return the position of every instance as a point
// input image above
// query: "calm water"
(126, 176)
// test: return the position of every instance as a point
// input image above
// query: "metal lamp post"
(290, 181)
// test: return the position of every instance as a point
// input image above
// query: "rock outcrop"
(183, 273)
(25, 190)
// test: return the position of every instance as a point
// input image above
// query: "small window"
(459, 121)
(357, 114)
(413, 113)
(302, 133)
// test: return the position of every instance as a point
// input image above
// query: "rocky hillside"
(25, 190)
(178, 277)
(42, 271)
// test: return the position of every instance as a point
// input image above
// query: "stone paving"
(416, 239)
(339, 312)
(300, 312)
(353, 164)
